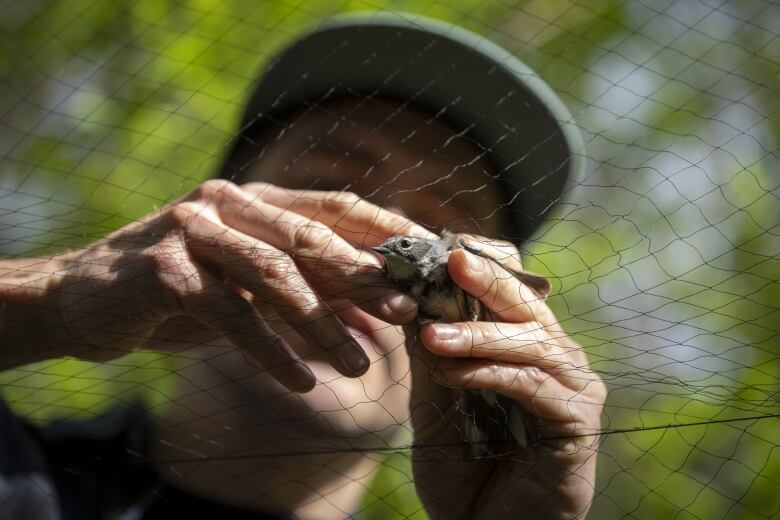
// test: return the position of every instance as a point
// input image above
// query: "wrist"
(30, 317)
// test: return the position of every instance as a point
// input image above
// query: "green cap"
(463, 78)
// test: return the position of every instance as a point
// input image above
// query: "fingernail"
(356, 360)
(445, 332)
(301, 377)
(401, 303)
(476, 264)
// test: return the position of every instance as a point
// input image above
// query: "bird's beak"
(382, 250)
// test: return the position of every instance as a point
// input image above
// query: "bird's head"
(411, 258)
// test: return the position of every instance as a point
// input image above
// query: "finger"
(498, 289)
(355, 219)
(518, 343)
(286, 230)
(211, 302)
(343, 270)
(506, 255)
(272, 276)
(537, 391)
(503, 252)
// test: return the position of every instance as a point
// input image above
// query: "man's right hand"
(216, 258)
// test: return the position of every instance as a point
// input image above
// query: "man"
(296, 374)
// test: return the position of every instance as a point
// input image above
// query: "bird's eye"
(405, 243)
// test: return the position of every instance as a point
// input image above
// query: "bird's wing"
(506, 255)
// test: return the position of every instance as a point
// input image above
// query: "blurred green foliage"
(665, 253)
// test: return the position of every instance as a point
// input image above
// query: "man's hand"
(527, 357)
(215, 259)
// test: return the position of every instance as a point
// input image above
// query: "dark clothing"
(95, 469)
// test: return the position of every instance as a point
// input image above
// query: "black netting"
(148, 316)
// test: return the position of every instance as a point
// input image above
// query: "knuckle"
(543, 380)
(533, 376)
(545, 347)
(167, 254)
(276, 268)
(505, 376)
(312, 235)
(163, 259)
(214, 188)
(478, 334)
(175, 274)
(348, 198)
(341, 200)
(183, 214)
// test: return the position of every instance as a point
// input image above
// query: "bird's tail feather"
(493, 428)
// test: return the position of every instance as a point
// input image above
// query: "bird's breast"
(441, 301)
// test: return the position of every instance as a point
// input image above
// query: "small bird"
(494, 423)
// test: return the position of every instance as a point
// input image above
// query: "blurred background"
(664, 254)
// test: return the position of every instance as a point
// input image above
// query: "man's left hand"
(526, 356)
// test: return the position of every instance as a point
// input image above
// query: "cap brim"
(464, 78)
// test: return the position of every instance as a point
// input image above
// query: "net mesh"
(662, 252)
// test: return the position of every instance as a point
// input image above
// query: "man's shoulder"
(80, 468)
(91, 468)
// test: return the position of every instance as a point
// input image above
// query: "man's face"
(395, 156)
(399, 159)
